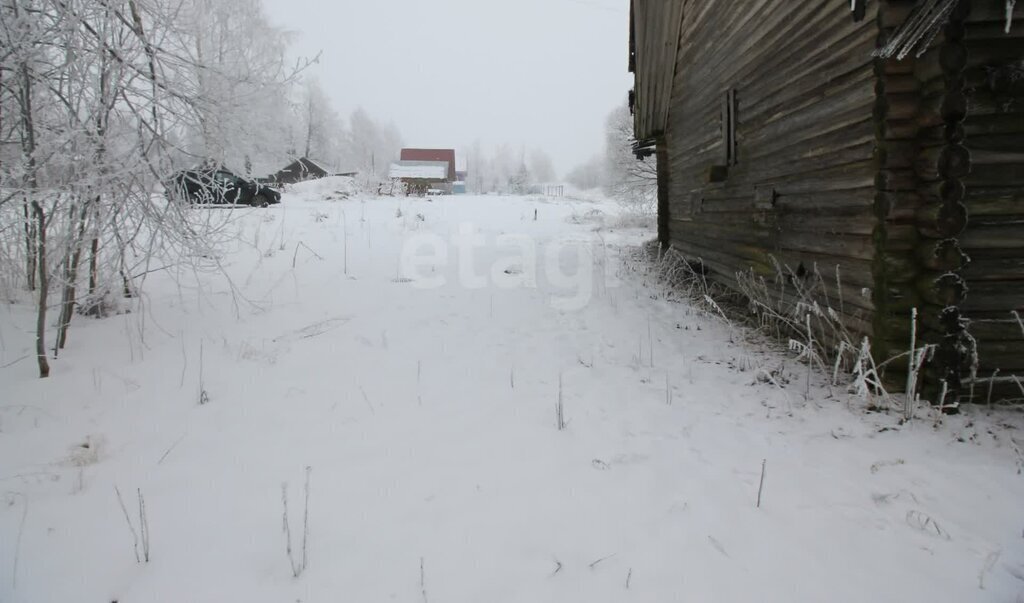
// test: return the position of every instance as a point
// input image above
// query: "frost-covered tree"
(631, 180)
(519, 183)
(240, 89)
(542, 168)
(322, 127)
(589, 175)
(505, 169)
(504, 164)
(477, 168)
(371, 146)
(98, 102)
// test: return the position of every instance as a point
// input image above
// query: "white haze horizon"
(532, 74)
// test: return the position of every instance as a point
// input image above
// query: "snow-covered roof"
(426, 170)
(446, 155)
(317, 163)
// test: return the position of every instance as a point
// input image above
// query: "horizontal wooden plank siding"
(655, 38)
(800, 189)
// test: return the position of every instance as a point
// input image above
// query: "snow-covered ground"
(397, 349)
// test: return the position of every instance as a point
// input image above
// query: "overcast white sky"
(540, 73)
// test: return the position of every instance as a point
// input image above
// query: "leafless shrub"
(558, 567)
(1017, 450)
(204, 396)
(801, 306)
(11, 500)
(423, 580)
(419, 382)
(560, 407)
(295, 256)
(760, 488)
(140, 534)
(600, 561)
(867, 382)
(297, 564)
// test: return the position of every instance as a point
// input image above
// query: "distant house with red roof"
(446, 155)
(426, 171)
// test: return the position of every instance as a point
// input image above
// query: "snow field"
(424, 404)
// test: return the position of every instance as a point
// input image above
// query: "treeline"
(507, 169)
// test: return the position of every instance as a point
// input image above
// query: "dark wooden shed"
(879, 141)
(300, 170)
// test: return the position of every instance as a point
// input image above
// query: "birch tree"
(240, 78)
(322, 127)
(371, 146)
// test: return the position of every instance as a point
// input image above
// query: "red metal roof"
(432, 155)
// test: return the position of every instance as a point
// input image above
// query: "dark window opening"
(729, 121)
(730, 151)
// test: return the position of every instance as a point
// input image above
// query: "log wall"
(786, 142)
(897, 268)
(940, 166)
(969, 171)
(801, 185)
(993, 132)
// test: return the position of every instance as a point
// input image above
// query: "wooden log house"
(878, 140)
